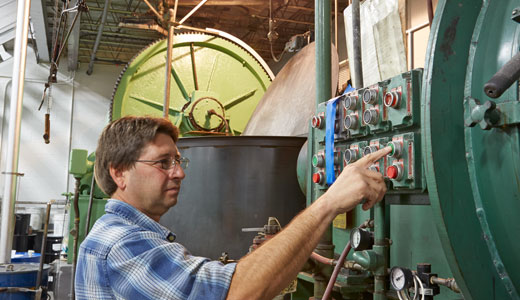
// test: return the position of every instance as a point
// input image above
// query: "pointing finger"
(371, 158)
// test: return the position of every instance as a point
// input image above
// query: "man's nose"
(177, 172)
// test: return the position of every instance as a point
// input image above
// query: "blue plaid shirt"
(127, 255)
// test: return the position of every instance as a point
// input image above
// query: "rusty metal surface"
(289, 102)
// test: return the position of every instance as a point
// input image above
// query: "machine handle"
(504, 78)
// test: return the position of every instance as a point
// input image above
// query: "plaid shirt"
(127, 255)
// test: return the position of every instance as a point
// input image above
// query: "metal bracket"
(491, 114)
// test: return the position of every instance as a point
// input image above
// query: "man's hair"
(122, 142)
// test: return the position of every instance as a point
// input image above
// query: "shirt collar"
(135, 216)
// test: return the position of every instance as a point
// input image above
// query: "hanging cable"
(272, 35)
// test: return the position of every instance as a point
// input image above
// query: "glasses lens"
(183, 161)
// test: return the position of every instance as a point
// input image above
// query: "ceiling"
(246, 19)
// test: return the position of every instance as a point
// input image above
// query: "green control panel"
(384, 114)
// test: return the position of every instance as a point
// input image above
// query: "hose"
(337, 268)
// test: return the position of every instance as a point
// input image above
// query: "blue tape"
(330, 122)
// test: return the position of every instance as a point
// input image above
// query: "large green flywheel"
(213, 78)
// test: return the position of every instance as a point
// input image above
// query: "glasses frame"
(175, 163)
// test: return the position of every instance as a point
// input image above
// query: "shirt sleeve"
(143, 265)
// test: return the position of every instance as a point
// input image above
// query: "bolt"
(515, 11)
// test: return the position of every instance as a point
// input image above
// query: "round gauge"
(401, 278)
(361, 239)
(355, 238)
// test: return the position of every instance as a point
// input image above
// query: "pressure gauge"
(401, 278)
(361, 239)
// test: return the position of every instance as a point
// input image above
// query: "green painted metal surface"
(209, 72)
(473, 174)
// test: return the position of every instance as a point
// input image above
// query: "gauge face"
(355, 238)
(400, 278)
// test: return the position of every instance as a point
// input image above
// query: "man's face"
(150, 188)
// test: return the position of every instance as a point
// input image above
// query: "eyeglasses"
(168, 163)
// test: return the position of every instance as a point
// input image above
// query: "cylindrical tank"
(233, 183)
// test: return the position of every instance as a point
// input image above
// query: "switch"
(370, 96)
(350, 102)
(337, 157)
(374, 168)
(351, 121)
(397, 149)
(369, 149)
(371, 116)
(318, 160)
(317, 122)
(351, 155)
(392, 99)
(395, 171)
(318, 177)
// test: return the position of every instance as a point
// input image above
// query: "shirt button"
(171, 237)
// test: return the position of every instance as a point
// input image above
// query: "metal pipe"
(75, 234)
(98, 37)
(193, 11)
(381, 249)
(356, 36)
(323, 60)
(169, 51)
(15, 121)
(336, 23)
(44, 243)
(90, 202)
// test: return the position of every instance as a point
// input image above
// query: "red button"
(316, 178)
(392, 172)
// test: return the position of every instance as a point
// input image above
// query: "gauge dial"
(400, 278)
(361, 239)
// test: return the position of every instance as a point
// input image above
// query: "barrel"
(233, 183)
(20, 276)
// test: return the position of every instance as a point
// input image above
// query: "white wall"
(78, 114)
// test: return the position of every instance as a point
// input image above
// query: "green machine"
(216, 83)
(448, 226)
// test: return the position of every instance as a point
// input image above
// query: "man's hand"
(357, 183)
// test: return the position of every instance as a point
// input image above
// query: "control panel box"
(364, 121)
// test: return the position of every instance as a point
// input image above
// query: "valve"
(350, 102)
(370, 96)
(392, 99)
(371, 116)
(486, 115)
(317, 122)
(351, 121)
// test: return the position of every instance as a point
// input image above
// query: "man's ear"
(118, 176)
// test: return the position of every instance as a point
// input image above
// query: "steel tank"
(234, 183)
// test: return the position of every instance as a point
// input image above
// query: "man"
(129, 255)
